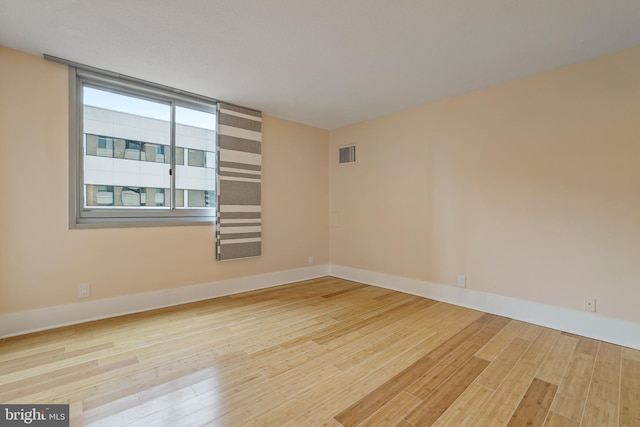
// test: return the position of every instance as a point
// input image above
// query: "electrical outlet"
(84, 290)
(589, 304)
(462, 281)
(311, 261)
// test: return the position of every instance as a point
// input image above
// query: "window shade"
(239, 226)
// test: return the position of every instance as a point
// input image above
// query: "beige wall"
(42, 261)
(531, 189)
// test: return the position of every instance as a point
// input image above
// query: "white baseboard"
(582, 323)
(587, 324)
(52, 317)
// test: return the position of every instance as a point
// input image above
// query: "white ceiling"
(326, 63)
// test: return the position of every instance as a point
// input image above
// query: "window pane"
(179, 156)
(196, 158)
(195, 149)
(127, 149)
(201, 199)
(179, 198)
(119, 196)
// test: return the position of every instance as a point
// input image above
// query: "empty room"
(336, 213)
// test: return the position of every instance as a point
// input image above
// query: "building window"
(141, 155)
(196, 158)
(102, 194)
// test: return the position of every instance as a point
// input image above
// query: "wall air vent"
(347, 154)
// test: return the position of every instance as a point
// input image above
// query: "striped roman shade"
(239, 228)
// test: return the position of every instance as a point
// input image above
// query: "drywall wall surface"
(531, 189)
(42, 261)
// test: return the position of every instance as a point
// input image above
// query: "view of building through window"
(127, 153)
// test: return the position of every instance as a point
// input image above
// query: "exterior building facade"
(127, 162)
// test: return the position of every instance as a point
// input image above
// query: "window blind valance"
(239, 224)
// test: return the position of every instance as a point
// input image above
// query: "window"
(140, 154)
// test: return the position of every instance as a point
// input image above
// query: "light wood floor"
(322, 352)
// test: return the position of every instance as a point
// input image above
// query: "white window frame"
(86, 217)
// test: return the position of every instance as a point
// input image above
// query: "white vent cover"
(347, 154)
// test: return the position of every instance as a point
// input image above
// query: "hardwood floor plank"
(321, 401)
(348, 346)
(466, 407)
(352, 288)
(424, 386)
(19, 389)
(239, 405)
(541, 347)
(148, 376)
(215, 403)
(321, 332)
(555, 420)
(601, 409)
(392, 412)
(440, 317)
(293, 389)
(534, 406)
(118, 417)
(381, 366)
(376, 322)
(504, 402)
(80, 417)
(315, 352)
(568, 334)
(196, 411)
(102, 353)
(34, 343)
(630, 393)
(456, 341)
(252, 403)
(428, 383)
(453, 357)
(437, 403)
(558, 359)
(29, 361)
(222, 384)
(398, 315)
(369, 348)
(369, 404)
(493, 376)
(587, 346)
(631, 354)
(507, 334)
(530, 332)
(572, 391)
(290, 358)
